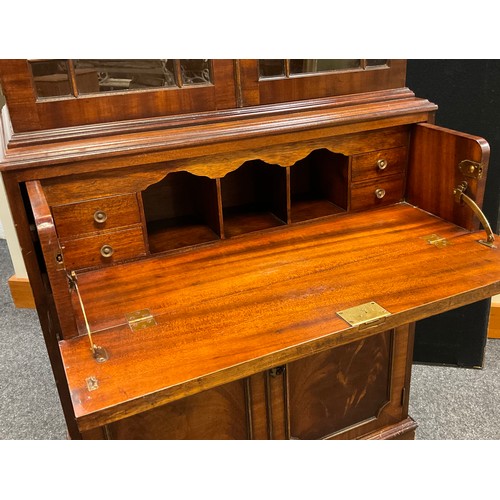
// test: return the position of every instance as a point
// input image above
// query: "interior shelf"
(318, 186)
(307, 208)
(247, 219)
(169, 234)
(185, 210)
(254, 197)
(181, 211)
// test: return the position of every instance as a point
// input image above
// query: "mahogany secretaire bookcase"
(239, 249)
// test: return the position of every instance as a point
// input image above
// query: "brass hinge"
(364, 315)
(436, 240)
(138, 320)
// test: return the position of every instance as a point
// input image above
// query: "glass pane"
(376, 62)
(195, 71)
(51, 78)
(298, 66)
(271, 67)
(107, 75)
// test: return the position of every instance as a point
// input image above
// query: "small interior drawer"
(378, 164)
(76, 219)
(103, 249)
(377, 192)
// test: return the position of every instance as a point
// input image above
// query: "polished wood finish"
(29, 113)
(441, 151)
(366, 166)
(404, 430)
(255, 297)
(240, 218)
(78, 219)
(339, 388)
(219, 413)
(266, 91)
(52, 255)
(80, 253)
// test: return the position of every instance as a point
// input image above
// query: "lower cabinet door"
(352, 390)
(219, 413)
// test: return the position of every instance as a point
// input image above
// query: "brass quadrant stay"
(461, 197)
(98, 352)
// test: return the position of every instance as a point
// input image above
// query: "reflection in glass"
(320, 65)
(51, 78)
(195, 71)
(124, 74)
(271, 67)
(376, 62)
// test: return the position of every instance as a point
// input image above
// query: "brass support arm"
(98, 352)
(461, 197)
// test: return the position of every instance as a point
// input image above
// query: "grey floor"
(448, 403)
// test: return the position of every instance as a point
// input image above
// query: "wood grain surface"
(232, 309)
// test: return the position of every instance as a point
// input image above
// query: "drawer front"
(378, 164)
(77, 219)
(377, 193)
(103, 249)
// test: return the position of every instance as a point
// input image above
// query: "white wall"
(7, 230)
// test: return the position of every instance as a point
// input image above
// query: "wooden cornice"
(61, 146)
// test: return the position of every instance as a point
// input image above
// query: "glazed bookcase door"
(268, 81)
(38, 105)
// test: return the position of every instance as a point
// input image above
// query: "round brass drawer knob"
(107, 251)
(100, 217)
(382, 164)
(380, 193)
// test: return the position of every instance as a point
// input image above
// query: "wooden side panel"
(219, 413)
(435, 154)
(50, 246)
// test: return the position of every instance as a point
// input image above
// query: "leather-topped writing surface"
(229, 310)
